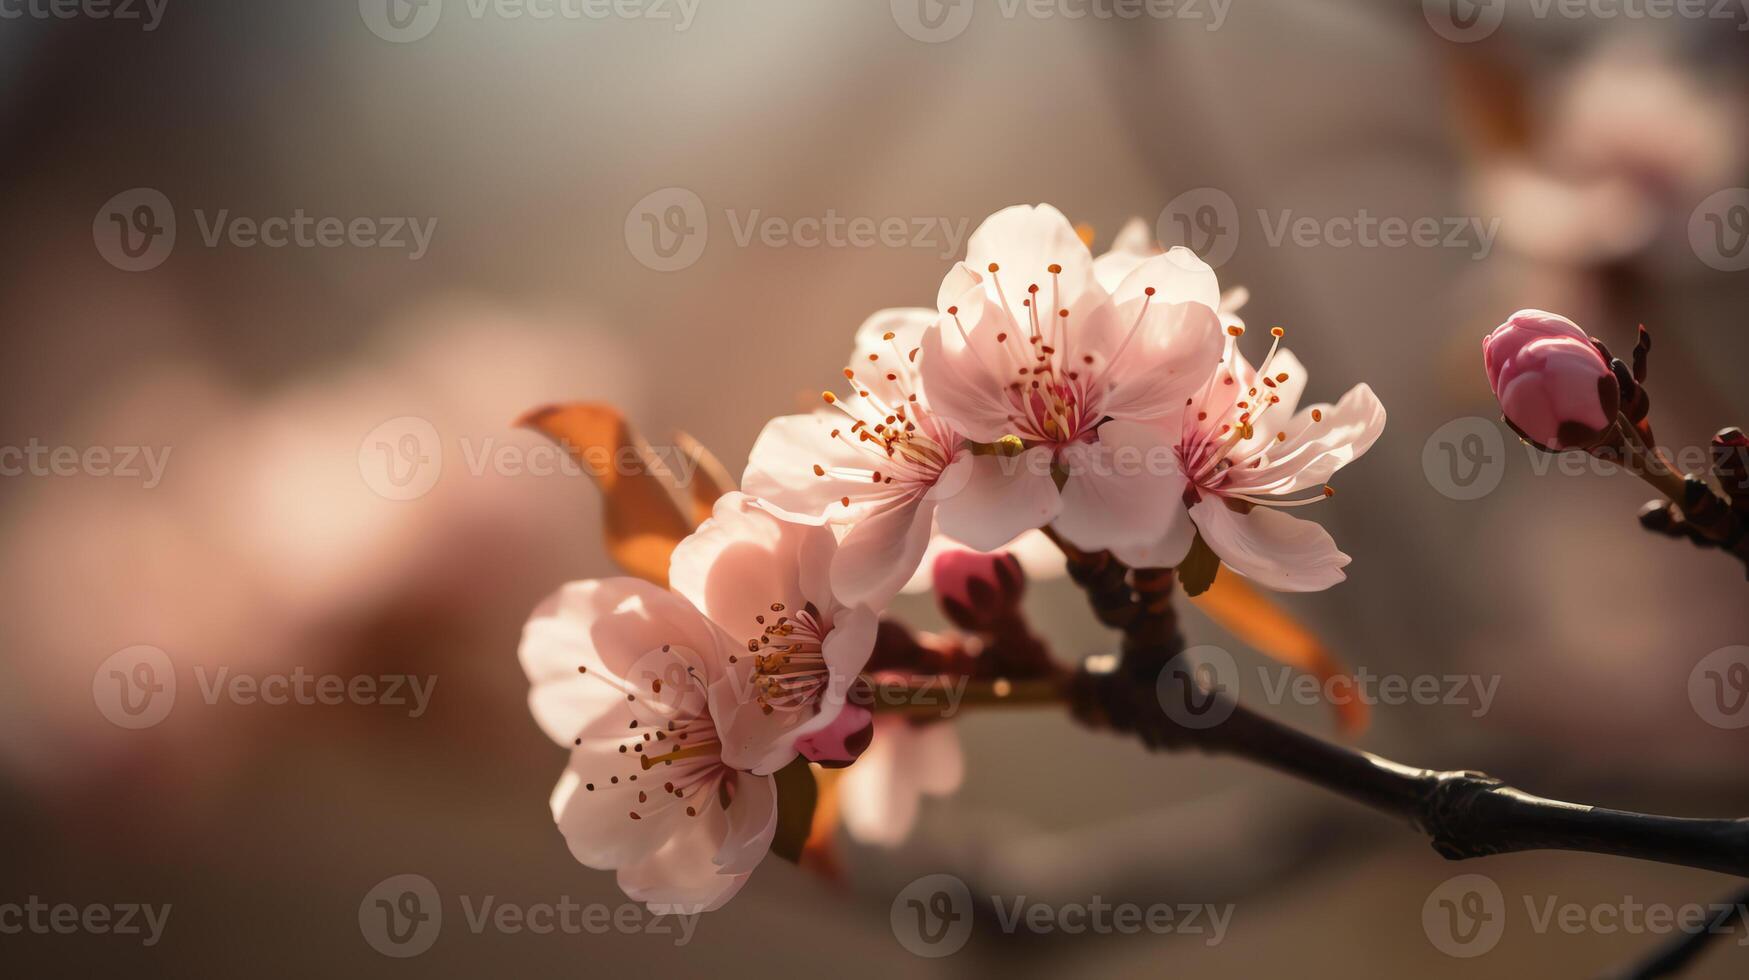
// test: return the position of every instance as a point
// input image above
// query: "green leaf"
(796, 796)
(1197, 571)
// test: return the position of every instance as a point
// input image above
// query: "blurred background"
(308, 463)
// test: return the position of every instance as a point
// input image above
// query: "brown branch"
(1463, 813)
(1677, 954)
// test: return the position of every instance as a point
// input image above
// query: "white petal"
(752, 824)
(874, 356)
(1165, 551)
(906, 323)
(682, 876)
(780, 469)
(1132, 246)
(1277, 551)
(744, 559)
(615, 629)
(879, 795)
(1024, 241)
(1002, 497)
(882, 551)
(1177, 276)
(1121, 490)
(1314, 451)
(961, 385)
(1175, 350)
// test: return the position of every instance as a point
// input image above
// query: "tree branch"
(1676, 955)
(1464, 814)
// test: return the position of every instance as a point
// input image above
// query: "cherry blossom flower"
(1035, 359)
(878, 465)
(879, 797)
(1553, 385)
(798, 650)
(628, 675)
(1246, 454)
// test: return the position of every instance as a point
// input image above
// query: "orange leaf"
(640, 518)
(1250, 616)
(709, 479)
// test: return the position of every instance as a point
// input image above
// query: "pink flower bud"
(838, 744)
(1554, 387)
(978, 591)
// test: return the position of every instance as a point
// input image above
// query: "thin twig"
(1676, 955)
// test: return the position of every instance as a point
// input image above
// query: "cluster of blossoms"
(1105, 399)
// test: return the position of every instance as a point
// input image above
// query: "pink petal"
(1315, 450)
(1001, 498)
(1120, 490)
(615, 629)
(882, 551)
(1269, 547)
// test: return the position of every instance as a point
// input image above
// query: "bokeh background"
(1596, 146)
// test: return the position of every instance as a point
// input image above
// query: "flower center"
(1222, 437)
(906, 444)
(789, 665)
(1054, 396)
(684, 745)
